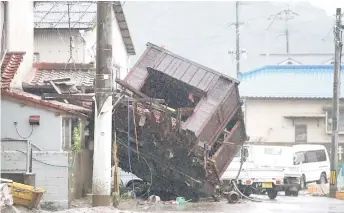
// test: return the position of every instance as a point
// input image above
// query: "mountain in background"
(203, 32)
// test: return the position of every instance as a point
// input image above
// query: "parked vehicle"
(314, 163)
(267, 169)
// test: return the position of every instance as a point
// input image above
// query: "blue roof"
(289, 81)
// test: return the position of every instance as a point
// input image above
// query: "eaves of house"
(36, 101)
(289, 82)
(9, 67)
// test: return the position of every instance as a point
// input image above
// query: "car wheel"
(287, 193)
(272, 194)
(295, 194)
(323, 178)
(303, 182)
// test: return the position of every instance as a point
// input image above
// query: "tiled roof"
(289, 81)
(9, 67)
(28, 97)
(81, 74)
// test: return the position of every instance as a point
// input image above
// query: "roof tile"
(9, 67)
(81, 74)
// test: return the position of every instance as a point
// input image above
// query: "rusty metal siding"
(203, 121)
(227, 151)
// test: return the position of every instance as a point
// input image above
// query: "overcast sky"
(329, 5)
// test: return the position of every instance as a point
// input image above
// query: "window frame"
(296, 134)
(307, 157)
(328, 127)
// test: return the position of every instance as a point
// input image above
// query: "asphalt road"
(282, 204)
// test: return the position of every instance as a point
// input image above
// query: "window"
(272, 151)
(36, 57)
(66, 133)
(321, 155)
(68, 125)
(300, 133)
(238, 154)
(340, 123)
(299, 158)
(311, 157)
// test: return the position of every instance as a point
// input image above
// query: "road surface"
(282, 204)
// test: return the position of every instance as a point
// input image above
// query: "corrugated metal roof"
(217, 86)
(175, 66)
(289, 81)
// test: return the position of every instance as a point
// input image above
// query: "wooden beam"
(160, 101)
(80, 97)
(131, 88)
(57, 90)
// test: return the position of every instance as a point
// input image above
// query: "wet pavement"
(282, 204)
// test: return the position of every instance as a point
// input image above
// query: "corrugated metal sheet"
(53, 45)
(289, 81)
(216, 85)
(176, 66)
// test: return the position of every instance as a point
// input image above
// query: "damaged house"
(184, 146)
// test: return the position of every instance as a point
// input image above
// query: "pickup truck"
(261, 173)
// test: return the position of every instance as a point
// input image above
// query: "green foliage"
(77, 140)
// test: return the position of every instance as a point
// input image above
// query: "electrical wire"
(48, 164)
(15, 126)
(149, 167)
(242, 161)
(129, 157)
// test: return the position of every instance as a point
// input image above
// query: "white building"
(52, 34)
(290, 104)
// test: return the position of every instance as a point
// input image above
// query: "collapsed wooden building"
(186, 144)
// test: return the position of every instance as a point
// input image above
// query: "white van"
(314, 163)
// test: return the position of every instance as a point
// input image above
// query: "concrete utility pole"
(238, 51)
(285, 15)
(101, 185)
(335, 101)
(237, 48)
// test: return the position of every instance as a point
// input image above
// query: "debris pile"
(183, 146)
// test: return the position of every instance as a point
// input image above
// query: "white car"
(314, 163)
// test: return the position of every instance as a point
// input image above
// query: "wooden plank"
(131, 88)
(57, 90)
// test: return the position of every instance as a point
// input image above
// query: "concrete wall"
(19, 29)
(51, 169)
(80, 176)
(265, 121)
(53, 45)
(47, 136)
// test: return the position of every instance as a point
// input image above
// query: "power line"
(285, 15)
